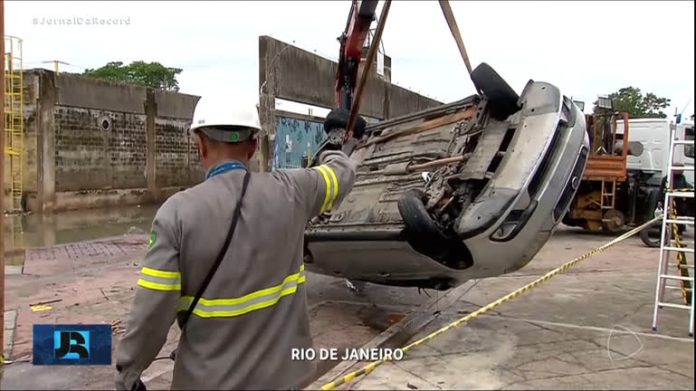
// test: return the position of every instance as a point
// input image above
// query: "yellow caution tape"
(38, 308)
(373, 365)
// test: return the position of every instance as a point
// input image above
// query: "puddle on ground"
(379, 319)
(34, 230)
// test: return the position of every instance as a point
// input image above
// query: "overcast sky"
(585, 48)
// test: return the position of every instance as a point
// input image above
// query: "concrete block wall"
(288, 72)
(176, 154)
(92, 143)
(91, 157)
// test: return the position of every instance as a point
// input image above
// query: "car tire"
(427, 237)
(503, 101)
(338, 118)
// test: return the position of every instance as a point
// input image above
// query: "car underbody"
(469, 189)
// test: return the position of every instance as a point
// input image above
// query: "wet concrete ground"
(588, 328)
(30, 231)
(92, 282)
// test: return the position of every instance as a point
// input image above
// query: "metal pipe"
(437, 163)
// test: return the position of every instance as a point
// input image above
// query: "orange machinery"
(595, 205)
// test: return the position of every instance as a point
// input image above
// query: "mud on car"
(466, 190)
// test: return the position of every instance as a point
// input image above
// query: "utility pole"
(2, 183)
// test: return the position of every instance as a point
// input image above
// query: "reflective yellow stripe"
(245, 310)
(159, 287)
(328, 188)
(335, 186)
(160, 273)
(160, 280)
(213, 308)
(248, 297)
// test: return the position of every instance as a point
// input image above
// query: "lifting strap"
(452, 23)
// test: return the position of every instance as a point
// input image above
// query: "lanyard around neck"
(222, 168)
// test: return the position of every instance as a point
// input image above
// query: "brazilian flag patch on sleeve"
(153, 239)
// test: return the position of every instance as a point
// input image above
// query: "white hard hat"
(226, 125)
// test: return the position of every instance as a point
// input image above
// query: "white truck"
(653, 134)
(647, 171)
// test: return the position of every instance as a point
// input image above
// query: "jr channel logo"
(72, 344)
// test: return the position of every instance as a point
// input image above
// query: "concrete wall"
(92, 143)
(288, 72)
(31, 131)
(89, 157)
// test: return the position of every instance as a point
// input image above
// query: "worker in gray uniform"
(253, 312)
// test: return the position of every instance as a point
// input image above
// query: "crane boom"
(361, 15)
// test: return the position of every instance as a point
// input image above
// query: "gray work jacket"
(254, 312)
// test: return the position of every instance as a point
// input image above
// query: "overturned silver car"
(470, 189)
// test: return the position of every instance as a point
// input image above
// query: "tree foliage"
(637, 105)
(153, 74)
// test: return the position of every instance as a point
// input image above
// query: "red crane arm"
(361, 15)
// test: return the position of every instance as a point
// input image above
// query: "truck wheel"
(503, 101)
(651, 234)
(613, 221)
(652, 199)
(427, 237)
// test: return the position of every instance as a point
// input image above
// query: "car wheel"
(427, 237)
(338, 118)
(502, 99)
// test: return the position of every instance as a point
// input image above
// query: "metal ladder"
(14, 119)
(608, 198)
(670, 242)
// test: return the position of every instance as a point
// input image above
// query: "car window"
(689, 149)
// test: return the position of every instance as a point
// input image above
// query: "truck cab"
(654, 135)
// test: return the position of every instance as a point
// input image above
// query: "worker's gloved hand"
(335, 125)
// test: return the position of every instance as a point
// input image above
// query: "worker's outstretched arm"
(324, 186)
(328, 183)
(156, 299)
